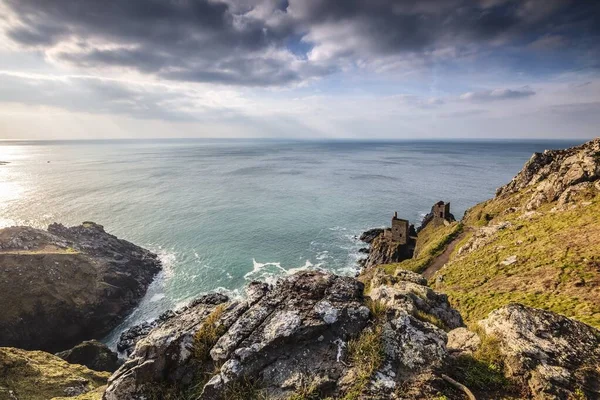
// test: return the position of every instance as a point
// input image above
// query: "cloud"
(278, 43)
(104, 96)
(498, 94)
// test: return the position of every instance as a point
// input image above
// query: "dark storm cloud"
(268, 42)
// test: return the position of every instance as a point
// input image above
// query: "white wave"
(271, 272)
(257, 268)
(168, 259)
(157, 297)
(5, 223)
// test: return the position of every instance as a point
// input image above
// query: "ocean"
(221, 213)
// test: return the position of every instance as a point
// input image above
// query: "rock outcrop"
(370, 235)
(298, 335)
(37, 375)
(93, 354)
(65, 285)
(546, 176)
(383, 250)
(554, 356)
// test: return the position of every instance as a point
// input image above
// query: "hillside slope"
(537, 242)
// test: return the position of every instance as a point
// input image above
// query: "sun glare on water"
(10, 188)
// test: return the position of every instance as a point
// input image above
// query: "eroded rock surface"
(556, 357)
(66, 285)
(408, 291)
(291, 336)
(384, 250)
(548, 175)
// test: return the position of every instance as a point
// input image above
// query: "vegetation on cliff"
(536, 243)
(37, 375)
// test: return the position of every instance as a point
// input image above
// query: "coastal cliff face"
(65, 285)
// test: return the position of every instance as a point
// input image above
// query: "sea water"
(222, 213)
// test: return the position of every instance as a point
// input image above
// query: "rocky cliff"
(64, 285)
(537, 242)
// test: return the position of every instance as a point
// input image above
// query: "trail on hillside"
(443, 258)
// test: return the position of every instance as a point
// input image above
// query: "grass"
(366, 353)
(557, 268)
(208, 334)
(46, 250)
(307, 391)
(484, 370)
(431, 242)
(244, 390)
(37, 375)
(432, 319)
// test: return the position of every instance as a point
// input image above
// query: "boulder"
(93, 354)
(462, 341)
(290, 337)
(554, 356)
(65, 285)
(408, 291)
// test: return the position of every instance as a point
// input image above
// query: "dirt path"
(443, 258)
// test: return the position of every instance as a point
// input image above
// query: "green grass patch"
(245, 390)
(557, 268)
(484, 370)
(366, 354)
(432, 319)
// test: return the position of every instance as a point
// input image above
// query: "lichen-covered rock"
(546, 176)
(296, 331)
(291, 336)
(132, 335)
(165, 355)
(556, 357)
(408, 293)
(462, 341)
(37, 375)
(93, 354)
(482, 236)
(66, 285)
(280, 335)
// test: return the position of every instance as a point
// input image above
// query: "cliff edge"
(65, 285)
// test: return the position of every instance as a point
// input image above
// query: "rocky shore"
(65, 285)
(387, 334)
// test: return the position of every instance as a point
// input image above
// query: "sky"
(299, 69)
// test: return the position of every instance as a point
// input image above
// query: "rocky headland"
(65, 285)
(510, 311)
